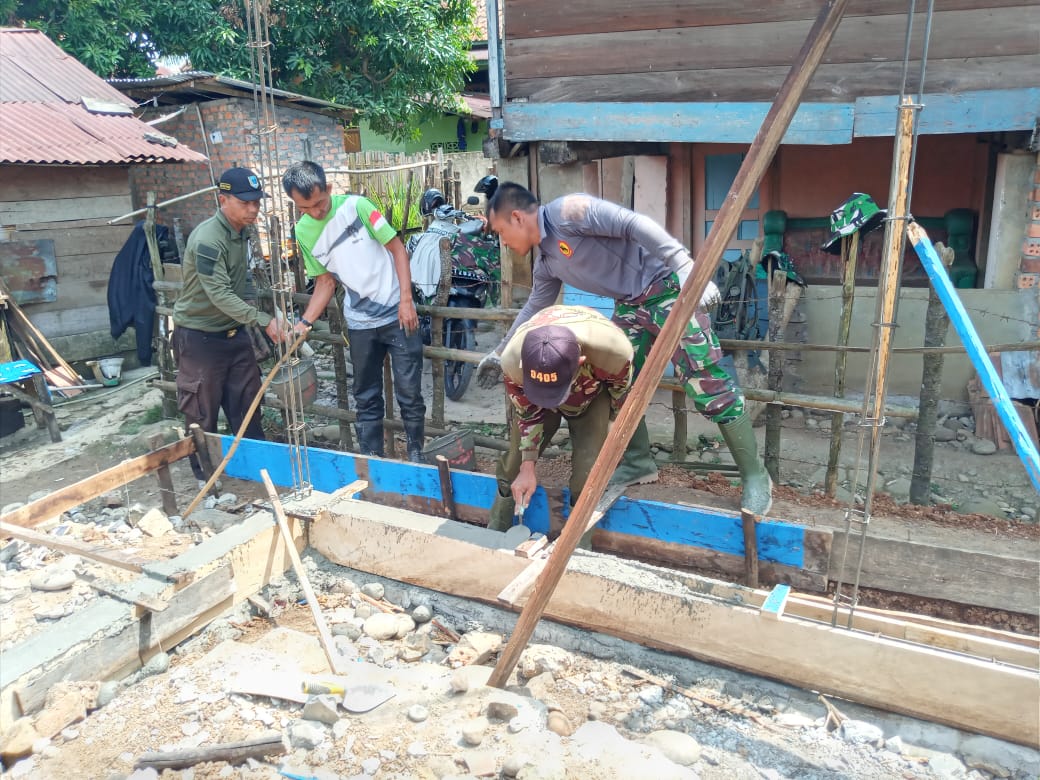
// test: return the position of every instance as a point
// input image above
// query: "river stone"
(983, 447)
(382, 625)
(405, 625)
(678, 747)
(422, 614)
(373, 590)
(859, 732)
(473, 731)
(53, 579)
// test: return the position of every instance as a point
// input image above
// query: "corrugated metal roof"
(193, 83)
(51, 75)
(478, 105)
(42, 117)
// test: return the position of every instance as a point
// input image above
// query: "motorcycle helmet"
(487, 186)
(430, 200)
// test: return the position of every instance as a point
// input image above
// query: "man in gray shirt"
(604, 249)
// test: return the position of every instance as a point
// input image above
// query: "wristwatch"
(307, 322)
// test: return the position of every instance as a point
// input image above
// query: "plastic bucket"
(112, 368)
(304, 376)
(456, 446)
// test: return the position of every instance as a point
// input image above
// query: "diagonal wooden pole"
(748, 177)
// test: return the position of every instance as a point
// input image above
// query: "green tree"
(398, 62)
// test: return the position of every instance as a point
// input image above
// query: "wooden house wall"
(71, 206)
(717, 50)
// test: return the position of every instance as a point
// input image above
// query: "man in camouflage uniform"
(564, 362)
(604, 249)
(216, 366)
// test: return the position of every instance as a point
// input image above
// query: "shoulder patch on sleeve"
(206, 257)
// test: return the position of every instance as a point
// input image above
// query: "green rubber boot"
(756, 484)
(502, 511)
(637, 466)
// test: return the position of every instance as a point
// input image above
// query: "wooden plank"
(656, 608)
(538, 18)
(73, 243)
(1002, 646)
(963, 576)
(972, 112)
(966, 33)
(685, 558)
(71, 546)
(187, 611)
(814, 123)
(532, 547)
(57, 319)
(36, 182)
(773, 607)
(56, 210)
(72, 496)
(834, 83)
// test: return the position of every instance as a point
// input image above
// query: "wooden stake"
(447, 493)
(166, 494)
(269, 744)
(746, 182)
(749, 521)
(324, 634)
(936, 324)
(849, 257)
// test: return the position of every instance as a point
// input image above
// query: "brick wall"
(300, 135)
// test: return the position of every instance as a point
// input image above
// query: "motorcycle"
(475, 277)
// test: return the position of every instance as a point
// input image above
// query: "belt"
(230, 334)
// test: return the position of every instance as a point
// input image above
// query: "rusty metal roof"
(44, 119)
(196, 85)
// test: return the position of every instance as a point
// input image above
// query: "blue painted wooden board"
(814, 123)
(967, 112)
(778, 542)
(776, 598)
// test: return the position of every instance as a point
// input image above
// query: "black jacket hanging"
(131, 298)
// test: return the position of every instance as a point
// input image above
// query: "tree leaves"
(394, 61)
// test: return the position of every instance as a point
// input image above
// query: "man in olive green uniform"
(216, 367)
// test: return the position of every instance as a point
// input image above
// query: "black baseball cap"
(242, 183)
(549, 358)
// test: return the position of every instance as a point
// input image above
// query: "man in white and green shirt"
(345, 239)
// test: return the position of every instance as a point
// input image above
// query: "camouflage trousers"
(715, 395)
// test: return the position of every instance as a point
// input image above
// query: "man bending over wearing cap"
(604, 249)
(216, 366)
(565, 362)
